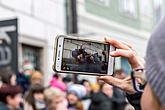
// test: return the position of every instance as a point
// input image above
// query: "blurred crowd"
(25, 91)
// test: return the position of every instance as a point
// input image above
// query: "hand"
(127, 51)
(123, 84)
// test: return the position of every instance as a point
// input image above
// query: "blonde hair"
(49, 92)
(36, 75)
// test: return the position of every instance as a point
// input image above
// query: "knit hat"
(155, 62)
(78, 90)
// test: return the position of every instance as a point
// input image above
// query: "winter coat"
(23, 81)
(101, 102)
(134, 100)
(119, 99)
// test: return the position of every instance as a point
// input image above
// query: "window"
(33, 55)
(158, 10)
(103, 2)
(128, 7)
(145, 8)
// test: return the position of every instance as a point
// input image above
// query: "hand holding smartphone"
(77, 55)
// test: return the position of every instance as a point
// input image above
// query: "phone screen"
(85, 56)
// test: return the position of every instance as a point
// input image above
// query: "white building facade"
(39, 21)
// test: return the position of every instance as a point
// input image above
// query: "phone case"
(75, 72)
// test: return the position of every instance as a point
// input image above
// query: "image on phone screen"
(85, 56)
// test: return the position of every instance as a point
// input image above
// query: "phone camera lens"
(58, 59)
(59, 45)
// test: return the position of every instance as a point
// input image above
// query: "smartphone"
(82, 56)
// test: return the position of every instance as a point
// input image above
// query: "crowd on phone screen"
(25, 91)
(89, 61)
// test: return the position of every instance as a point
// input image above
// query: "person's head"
(107, 89)
(27, 68)
(36, 96)
(119, 74)
(87, 85)
(67, 80)
(72, 98)
(11, 96)
(54, 97)
(36, 78)
(153, 97)
(149, 100)
(75, 93)
(57, 76)
(95, 87)
(7, 76)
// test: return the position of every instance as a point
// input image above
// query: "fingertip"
(106, 40)
(99, 77)
(112, 53)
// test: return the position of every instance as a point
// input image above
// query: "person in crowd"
(57, 82)
(103, 99)
(119, 74)
(95, 87)
(36, 78)
(35, 99)
(87, 85)
(80, 54)
(10, 97)
(23, 78)
(87, 98)
(68, 80)
(74, 95)
(56, 99)
(153, 96)
(7, 77)
(119, 95)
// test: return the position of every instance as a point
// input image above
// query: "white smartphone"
(81, 56)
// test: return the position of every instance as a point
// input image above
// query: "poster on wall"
(9, 44)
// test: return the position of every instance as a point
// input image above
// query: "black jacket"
(134, 100)
(100, 101)
(119, 99)
(23, 81)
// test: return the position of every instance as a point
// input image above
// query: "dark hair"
(119, 71)
(5, 75)
(36, 88)
(83, 81)
(9, 90)
(56, 75)
(67, 79)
